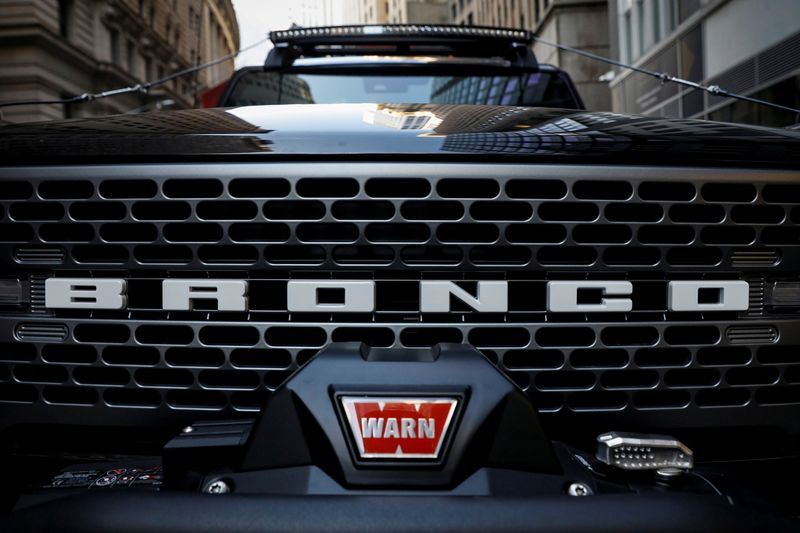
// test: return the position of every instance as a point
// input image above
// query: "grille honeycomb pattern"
(403, 222)
(397, 222)
(576, 367)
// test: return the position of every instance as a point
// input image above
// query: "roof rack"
(513, 45)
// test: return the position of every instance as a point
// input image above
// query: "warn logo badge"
(398, 428)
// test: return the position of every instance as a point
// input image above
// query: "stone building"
(366, 11)
(54, 49)
(498, 13)
(418, 12)
(395, 12)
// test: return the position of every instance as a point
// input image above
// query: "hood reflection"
(392, 129)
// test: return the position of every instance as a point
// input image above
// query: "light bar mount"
(402, 39)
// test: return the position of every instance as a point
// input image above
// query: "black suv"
(434, 303)
(402, 65)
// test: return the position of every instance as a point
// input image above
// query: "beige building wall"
(398, 12)
(498, 13)
(418, 12)
(54, 49)
(368, 12)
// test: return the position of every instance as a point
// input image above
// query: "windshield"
(523, 89)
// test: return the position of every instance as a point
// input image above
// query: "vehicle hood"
(398, 131)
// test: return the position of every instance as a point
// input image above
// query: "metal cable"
(668, 78)
(664, 77)
(139, 87)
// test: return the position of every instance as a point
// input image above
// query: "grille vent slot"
(755, 307)
(39, 254)
(751, 335)
(41, 332)
(755, 258)
(37, 295)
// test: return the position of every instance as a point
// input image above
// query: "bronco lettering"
(434, 296)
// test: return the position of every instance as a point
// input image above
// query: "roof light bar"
(416, 30)
(513, 45)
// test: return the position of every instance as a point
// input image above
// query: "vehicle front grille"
(398, 224)
(211, 365)
(513, 222)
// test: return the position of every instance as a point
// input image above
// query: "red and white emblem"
(398, 428)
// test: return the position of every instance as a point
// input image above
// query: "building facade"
(578, 23)
(500, 13)
(56, 49)
(743, 46)
(366, 11)
(396, 12)
(581, 24)
(418, 12)
(314, 13)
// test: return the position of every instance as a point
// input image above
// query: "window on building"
(691, 53)
(686, 8)
(113, 37)
(640, 27)
(536, 13)
(65, 14)
(670, 16)
(656, 21)
(130, 57)
(67, 110)
(627, 36)
(151, 17)
(454, 10)
(786, 92)
(693, 103)
(471, 19)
